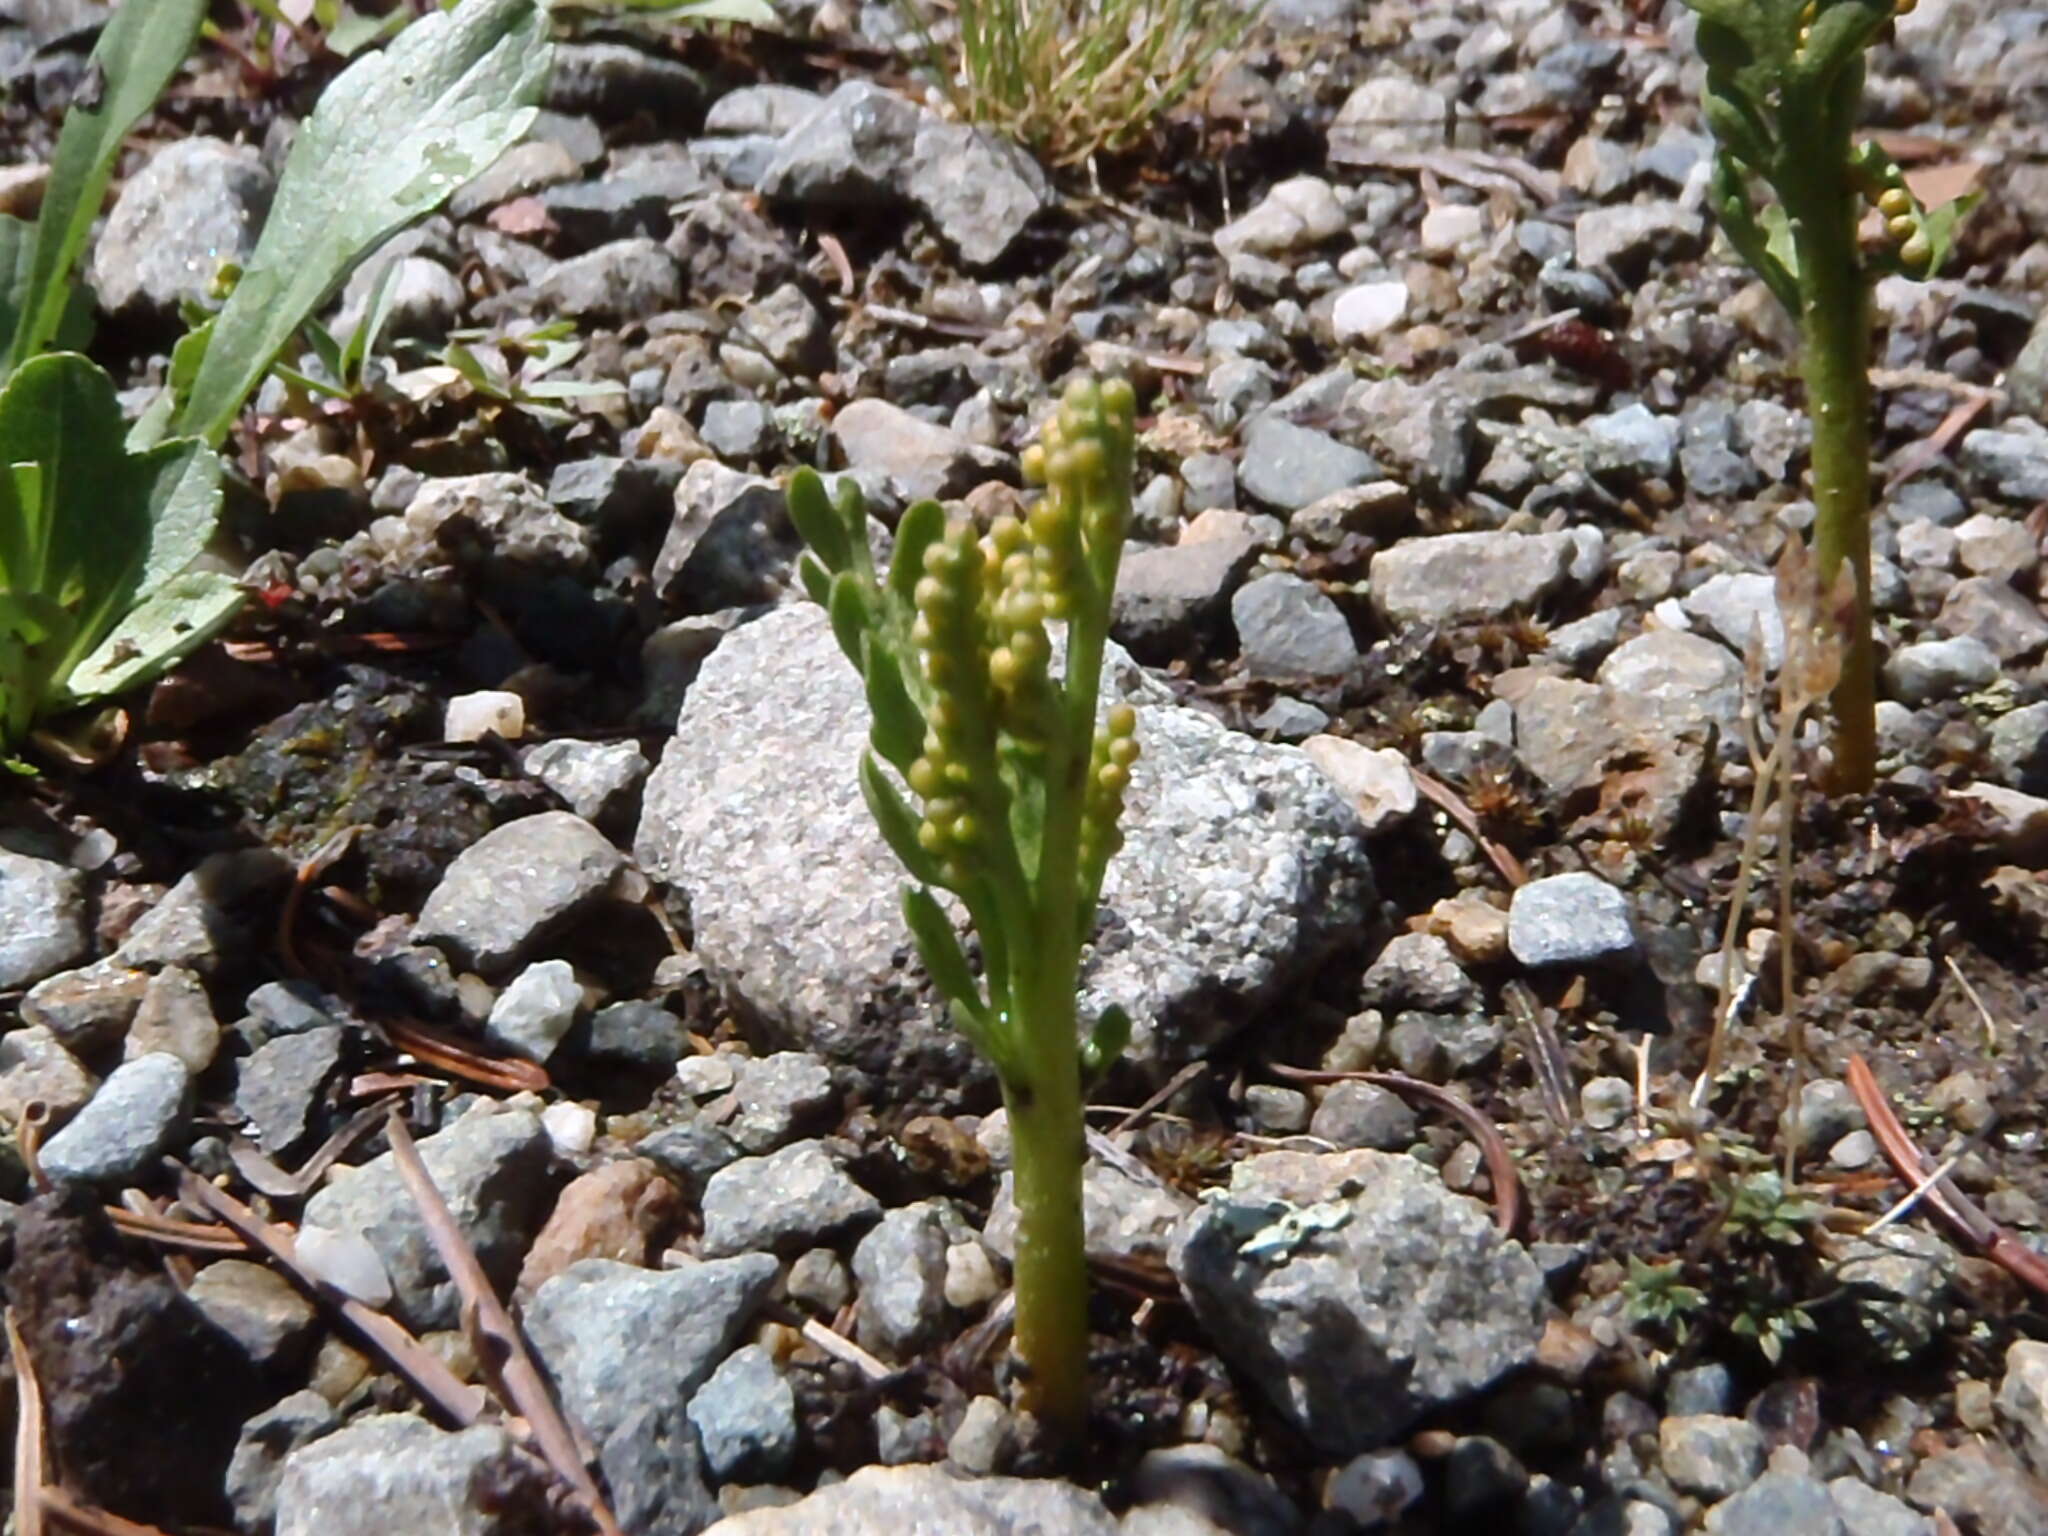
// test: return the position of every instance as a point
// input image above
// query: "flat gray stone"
(788, 1201)
(1572, 919)
(395, 1472)
(516, 885)
(1290, 467)
(128, 1124)
(1468, 578)
(929, 1501)
(492, 1169)
(1288, 628)
(42, 919)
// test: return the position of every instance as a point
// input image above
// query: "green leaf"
(183, 615)
(139, 50)
(1939, 225)
(853, 616)
(816, 579)
(32, 631)
(940, 948)
(354, 30)
(811, 509)
(17, 246)
(922, 526)
(390, 140)
(898, 728)
(896, 823)
(1106, 1042)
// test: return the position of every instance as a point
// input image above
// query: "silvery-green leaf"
(391, 138)
(185, 613)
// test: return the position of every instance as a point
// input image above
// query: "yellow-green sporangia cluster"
(1015, 790)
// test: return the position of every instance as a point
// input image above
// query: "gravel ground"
(521, 801)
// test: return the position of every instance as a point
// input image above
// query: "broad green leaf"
(940, 948)
(811, 509)
(921, 527)
(354, 30)
(898, 729)
(32, 631)
(107, 527)
(390, 140)
(139, 50)
(183, 615)
(17, 246)
(24, 514)
(898, 826)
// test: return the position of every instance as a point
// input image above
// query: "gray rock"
(2019, 749)
(620, 498)
(175, 1016)
(902, 1500)
(729, 544)
(1866, 1512)
(1390, 112)
(504, 513)
(267, 1439)
(1212, 818)
(1710, 1454)
(986, 1438)
(199, 202)
(789, 329)
(2027, 379)
(42, 919)
(615, 283)
(1734, 606)
(1641, 443)
(741, 430)
(256, 1307)
(1416, 970)
(1123, 1216)
(1214, 1486)
(515, 886)
(2012, 463)
(772, 109)
(1778, 1504)
(396, 1472)
(1171, 598)
(921, 458)
(536, 1011)
(1828, 1111)
(1573, 919)
(613, 81)
(979, 190)
(492, 1169)
(209, 915)
(1998, 547)
(1360, 1114)
(745, 1416)
(1932, 670)
(1991, 611)
(1298, 213)
(278, 1086)
(1604, 1102)
(1898, 1283)
(2023, 1399)
(598, 779)
(776, 1095)
(88, 1009)
(1287, 628)
(1625, 238)
(628, 1348)
(852, 152)
(1291, 467)
(36, 1069)
(425, 299)
(1571, 736)
(785, 1202)
(142, 1107)
(690, 1153)
(1681, 681)
(1584, 643)
(525, 168)
(1356, 1291)
(1376, 1488)
(291, 1008)
(1468, 578)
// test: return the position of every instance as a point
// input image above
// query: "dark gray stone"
(1287, 628)
(745, 1417)
(267, 1439)
(785, 1202)
(515, 886)
(278, 1086)
(135, 1117)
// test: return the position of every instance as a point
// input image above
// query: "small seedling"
(1784, 86)
(1018, 788)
